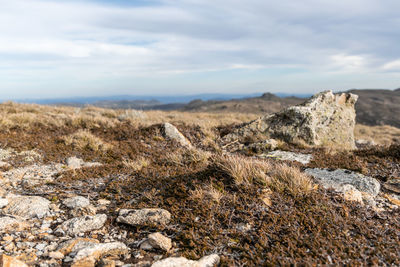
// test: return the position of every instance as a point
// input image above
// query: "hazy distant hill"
(374, 106)
(378, 107)
(267, 103)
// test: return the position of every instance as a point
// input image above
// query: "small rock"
(9, 223)
(28, 206)
(75, 245)
(56, 255)
(290, 156)
(103, 202)
(350, 193)
(107, 263)
(76, 202)
(88, 210)
(74, 162)
(8, 238)
(8, 261)
(393, 185)
(266, 145)
(84, 224)
(159, 241)
(144, 216)
(207, 261)
(89, 255)
(171, 132)
(3, 202)
(337, 178)
(361, 143)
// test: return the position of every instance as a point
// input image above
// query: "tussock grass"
(242, 170)
(84, 139)
(136, 164)
(207, 193)
(188, 156)
(278, 177)
(290, 180)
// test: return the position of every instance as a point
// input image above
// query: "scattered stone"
(107, 263)
(336, 179)
(103, 202)
(56, 255)
(76, 202)
(90, 254)
(263, 146)
(350, 193)
(74, 162)
(171, 132)
(83, 224)
(266, 197)
(145, 245)
(290, 156)
(244, 227)
(75, 245)
(144, 216)
(33, 175)
(8, 261)
(9, 223)
(158, 241)
(393, 185)
(3, 192)
(3, 202)
(207, 261)
(393, 199)
(324, 120)
(361, 143)
(4, 165)
(28, 206)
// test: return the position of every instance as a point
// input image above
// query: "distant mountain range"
(146, 99)
(374, 106)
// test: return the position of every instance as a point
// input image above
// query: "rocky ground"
(126, 194)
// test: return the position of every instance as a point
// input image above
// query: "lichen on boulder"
(326, 119)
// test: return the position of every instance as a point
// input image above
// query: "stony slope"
(243, 209)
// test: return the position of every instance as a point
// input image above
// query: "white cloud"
(76, 45)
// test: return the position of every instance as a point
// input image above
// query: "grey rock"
(28, 206)
(3, 202)
(171, 132)
(144, 216)
(9, 223)
(93, 252)
(83, 224)
(74, 162)
(76, 202)
(324, 120)
(287, 155)
(266, 145)
(159, 241)
(206, 261)
(336, 179)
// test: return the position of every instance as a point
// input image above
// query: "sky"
(70, 48)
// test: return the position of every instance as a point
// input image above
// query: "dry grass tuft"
(83, 139)
(188, 156)
(242, 170)
(290, 180)
(208, 193)
(136, 164)
(279, 177)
